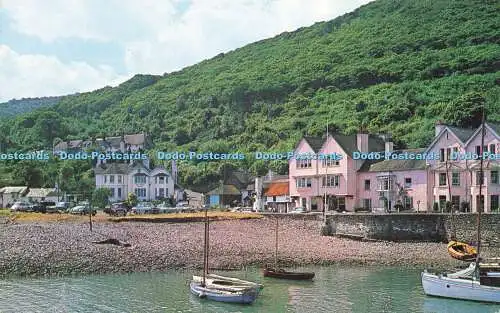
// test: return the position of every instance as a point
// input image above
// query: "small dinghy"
(280, 273)
(462, 251)
(246, 296)
(227, 283)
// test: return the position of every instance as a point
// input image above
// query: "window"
(112, 192)
(384, 183)
(494, 205)
(492, 149)
(119, 192)
(478, 150)
(448, 154)
(455, 150)
(441, 155)
(479, 178)
(442, 203)
(304, 163)
(119, 179)
(303, 182)
(408, 203)
(112, 179)
(140, 192)
(455, 179)
(455, 202)
(330, 162)
(408, 182)
(494, 177)
(442, 179)
(341, 203)
(140, 179)
(161, 179)
(367, 204)
(367, 184)
(331, 181)
(161, 192)
(105, 179)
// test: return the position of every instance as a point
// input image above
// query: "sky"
(58, 47)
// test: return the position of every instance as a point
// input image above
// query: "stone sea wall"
(433, 227)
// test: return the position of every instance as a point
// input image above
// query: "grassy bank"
(29, 217)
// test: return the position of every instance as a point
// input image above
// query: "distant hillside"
(16, 107)
(389, 66)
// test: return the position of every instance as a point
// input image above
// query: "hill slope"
(389, 66)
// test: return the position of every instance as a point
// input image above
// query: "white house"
(9, 195)
(42, 194)
(146, 184)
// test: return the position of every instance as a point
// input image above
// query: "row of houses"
(9, 195)
(444, 174)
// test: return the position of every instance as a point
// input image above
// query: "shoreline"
(62, 248)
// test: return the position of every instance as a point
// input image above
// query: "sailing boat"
(478, 282)
(220, 288)
(276, 272)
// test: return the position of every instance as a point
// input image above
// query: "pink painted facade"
(392, 185)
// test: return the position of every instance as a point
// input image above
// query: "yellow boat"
(462, 251)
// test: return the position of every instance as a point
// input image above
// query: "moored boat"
(227, 283)
(280, 273)
(440, 285)
(246, 296)
(462, 251)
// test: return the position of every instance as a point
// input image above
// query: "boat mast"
(205, 252)
(276, 246)
(453, 235)
(481, 178)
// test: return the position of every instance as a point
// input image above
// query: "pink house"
(391, 180)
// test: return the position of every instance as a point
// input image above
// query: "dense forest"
(389, 66)
(17, 106)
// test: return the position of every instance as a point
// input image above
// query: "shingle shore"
(37, 249)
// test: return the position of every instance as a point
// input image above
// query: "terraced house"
(418, 184)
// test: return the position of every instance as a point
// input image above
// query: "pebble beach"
(65, 248)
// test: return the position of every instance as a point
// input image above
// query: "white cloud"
(156, 35)
(24, 75)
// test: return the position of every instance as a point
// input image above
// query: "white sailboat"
(480, 281)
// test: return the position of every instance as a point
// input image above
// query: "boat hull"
(227, 283)
(243, 297)
(461, 251)
(270, 272)
(455, 288)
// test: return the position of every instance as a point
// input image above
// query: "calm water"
(335, 289)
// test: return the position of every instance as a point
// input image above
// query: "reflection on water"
(335, 289)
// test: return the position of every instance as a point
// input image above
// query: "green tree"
(100, 197)
(132, 199)
(466, 110)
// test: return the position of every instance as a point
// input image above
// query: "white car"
(21, 206)
(142, 208)
(163, 208)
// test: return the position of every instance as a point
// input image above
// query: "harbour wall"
(434, 227)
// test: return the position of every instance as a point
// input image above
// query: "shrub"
(435, 207)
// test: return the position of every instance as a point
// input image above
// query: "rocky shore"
(62, 248)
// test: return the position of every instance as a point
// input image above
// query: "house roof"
(134, 139)
(225, 190)
(277, 189)
(462, 133)
(113, 168)
(13, 189)
(348, 143)
(394, 165)
(41, 192)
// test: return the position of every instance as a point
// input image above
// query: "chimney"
(362, 141)
(439, 127)
(389, 145)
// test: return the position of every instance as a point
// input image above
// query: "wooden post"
(205, 250)
(480, 204)
(90, 213)
(276, 246)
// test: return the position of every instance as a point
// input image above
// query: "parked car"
(184, 207)
(298, 210)
(82, 209)
(117, 209)
(46, 207)
(142, 208)
(63, 206)
(164, 208)
(21, 206)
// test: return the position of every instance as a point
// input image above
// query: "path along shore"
(62, 248)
